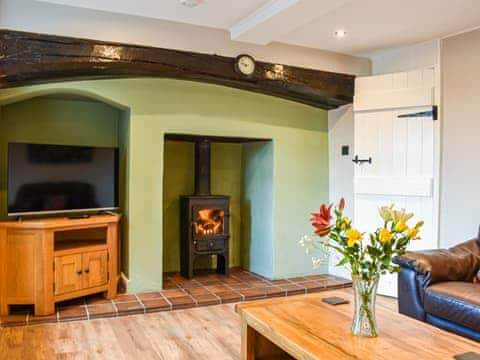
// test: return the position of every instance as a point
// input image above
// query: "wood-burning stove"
(204, 218)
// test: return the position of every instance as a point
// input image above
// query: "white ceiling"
(370, 24)
(212, 13)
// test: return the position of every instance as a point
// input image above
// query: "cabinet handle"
(211, 244)
(79, 272)
(87, 271)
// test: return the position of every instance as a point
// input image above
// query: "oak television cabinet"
(43, 261)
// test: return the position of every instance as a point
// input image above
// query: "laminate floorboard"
(211, 333)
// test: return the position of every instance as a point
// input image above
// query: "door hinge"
(432, 113)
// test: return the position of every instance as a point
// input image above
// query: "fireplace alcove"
(206, 212)
(267, 213)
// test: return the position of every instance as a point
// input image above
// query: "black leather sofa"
(436, 286)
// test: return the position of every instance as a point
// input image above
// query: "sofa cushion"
(455, 301)
(458, 263)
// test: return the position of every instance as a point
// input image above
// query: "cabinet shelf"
(76, 246)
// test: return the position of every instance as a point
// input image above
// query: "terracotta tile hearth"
(179, 293)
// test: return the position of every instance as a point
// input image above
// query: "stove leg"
(186, 267)
(222, 264)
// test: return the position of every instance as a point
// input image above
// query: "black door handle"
(358, 161)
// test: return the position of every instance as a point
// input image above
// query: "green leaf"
(344, 261)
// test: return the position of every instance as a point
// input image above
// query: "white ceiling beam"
(259, 17)
(280, 17)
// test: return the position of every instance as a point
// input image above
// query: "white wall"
(341, 168)
(460, 195)
(405, 58)
(33, 16)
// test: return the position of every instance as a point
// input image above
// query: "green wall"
(226, 179)
(178, 180)
(54, 121)
(124, 179)
(160, 106)
(257, 208)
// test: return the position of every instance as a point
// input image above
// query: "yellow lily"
(385, 236)
(401, 226)
(345, 223)
(413, 233)
(353, 236)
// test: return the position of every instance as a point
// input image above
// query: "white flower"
(316, 262)
(307, 242)
(386, 212)
(401, 215)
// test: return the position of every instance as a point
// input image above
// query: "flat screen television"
(56, 178)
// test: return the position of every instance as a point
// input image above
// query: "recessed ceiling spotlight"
(191, 3)
(340, 33)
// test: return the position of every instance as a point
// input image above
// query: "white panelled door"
(402, 150)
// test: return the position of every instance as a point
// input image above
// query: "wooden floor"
(211, 333)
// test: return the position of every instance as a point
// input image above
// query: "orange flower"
(341, 205)
(321, 220)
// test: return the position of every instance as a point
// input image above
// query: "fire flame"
(209, 222)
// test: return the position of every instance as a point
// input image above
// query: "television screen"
(58, 178)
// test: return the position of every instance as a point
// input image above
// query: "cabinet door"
(95, 269)
(68, 273)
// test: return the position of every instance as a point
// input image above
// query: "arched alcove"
(65, 117)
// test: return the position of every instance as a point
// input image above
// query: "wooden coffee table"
(303, 327)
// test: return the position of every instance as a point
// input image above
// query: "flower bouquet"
(367, 256)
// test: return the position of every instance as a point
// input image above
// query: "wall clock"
(245, 65)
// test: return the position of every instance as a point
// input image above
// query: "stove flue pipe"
(202, 167)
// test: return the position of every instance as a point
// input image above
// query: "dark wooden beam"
(216, 139)
(27, 58)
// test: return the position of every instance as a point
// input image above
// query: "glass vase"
(365, 293)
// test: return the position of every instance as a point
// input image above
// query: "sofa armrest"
(410, 294)
(459, 263)
(420, 270)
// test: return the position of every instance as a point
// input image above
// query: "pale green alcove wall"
(298, 152)
(47, 120)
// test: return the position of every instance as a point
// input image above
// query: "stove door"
(208, 221)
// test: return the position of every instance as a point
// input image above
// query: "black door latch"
(358, 161)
